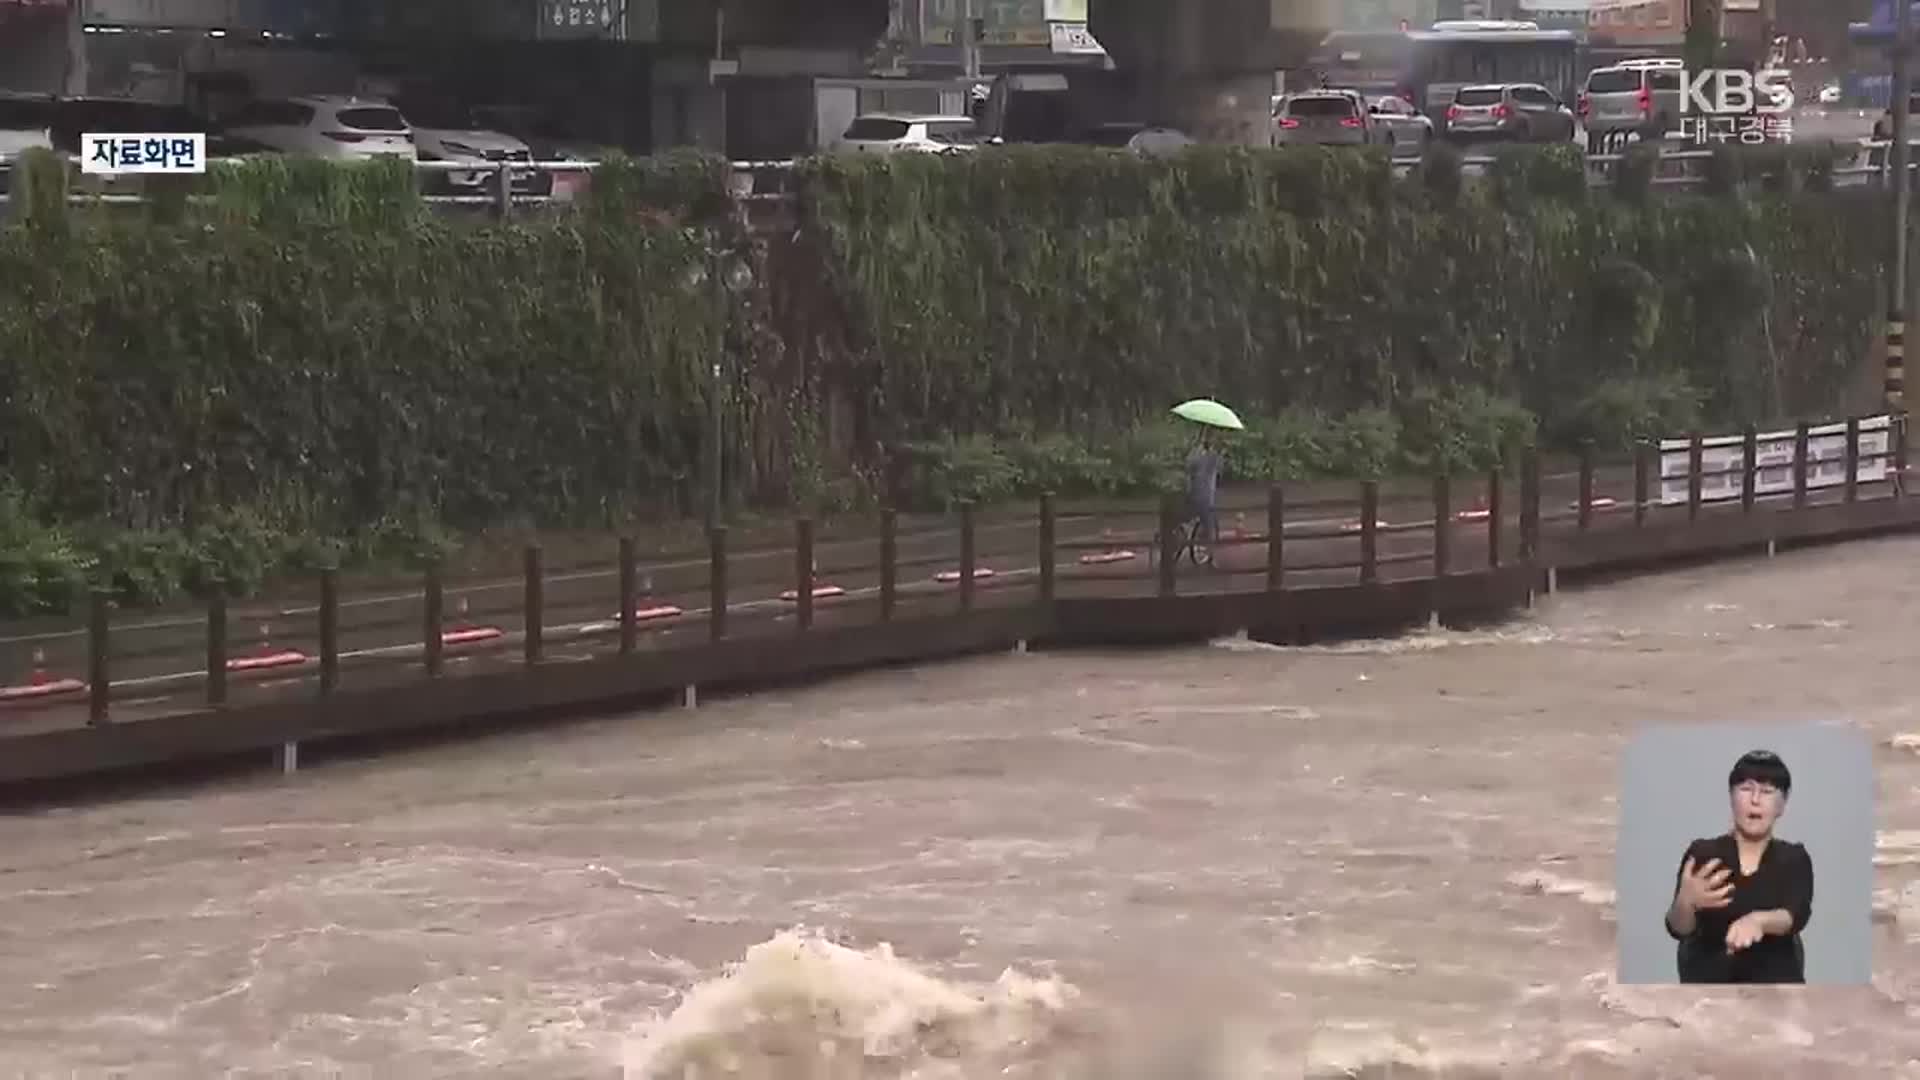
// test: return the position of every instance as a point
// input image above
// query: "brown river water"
(1231, 861)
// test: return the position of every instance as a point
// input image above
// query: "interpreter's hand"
(1705, 888)
(1744, 932)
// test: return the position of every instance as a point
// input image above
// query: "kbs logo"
(1733, 92)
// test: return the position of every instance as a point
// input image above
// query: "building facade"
(925, 37)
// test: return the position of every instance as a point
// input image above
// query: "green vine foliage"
(1074, 290)
(294, 364)
(315, 345)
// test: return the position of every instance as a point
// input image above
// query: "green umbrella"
(1210, 413)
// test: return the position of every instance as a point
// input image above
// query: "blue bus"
(1425, 67)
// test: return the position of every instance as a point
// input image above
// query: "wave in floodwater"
(803, 1007)
(1525, 633)
(1411, 642)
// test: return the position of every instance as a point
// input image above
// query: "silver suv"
(1327, 118)
(1632, 96)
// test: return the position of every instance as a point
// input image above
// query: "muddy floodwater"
(1381, 859)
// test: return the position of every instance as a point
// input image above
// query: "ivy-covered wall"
(1060, 289)
(292, 363)
(315, 343)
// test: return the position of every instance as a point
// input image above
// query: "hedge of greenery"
(310, 351)
(1032, 291)
(293, 364)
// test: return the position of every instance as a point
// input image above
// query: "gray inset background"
(1674, 790)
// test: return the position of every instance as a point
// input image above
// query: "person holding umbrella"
(1203, 465)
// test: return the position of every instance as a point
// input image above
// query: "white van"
(1632, 97)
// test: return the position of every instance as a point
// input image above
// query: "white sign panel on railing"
(111, 154)
(1723, 459)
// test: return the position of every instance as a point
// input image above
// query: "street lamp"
(1902, 204)
(728, 278)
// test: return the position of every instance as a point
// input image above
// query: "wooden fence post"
(1852, 487)
(1276, 539)
(629, 597)
(329, 631)
(1369, 532)
(1495, 519)
(534, 609)
(803, 570)
(99, 677)
(1696, 464)
(217, 644)
(433, 628)
(1802, 446)
(1530, 507)
(1585, 510)
(716, 582)
(889, 563)
(1169, 546)
(968, 556)
(1642, 467)
(1749, 470)
(1049, 549)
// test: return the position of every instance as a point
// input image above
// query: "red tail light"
(1501, 112)
(1289, 122)
(1646, 100)
(1453, 113)
(1350, 121)
(1584, 105)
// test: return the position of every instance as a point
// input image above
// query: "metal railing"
(500, 187)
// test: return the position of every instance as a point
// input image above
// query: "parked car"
(1327, 118)
(1407, 127)
(1633, 97)
(1142, 139)
(1520, 112)
(26, 123)
(67, 120)
(446, 132)
(544, 132)
(897, 133)
(1883, 132)
(342, 128)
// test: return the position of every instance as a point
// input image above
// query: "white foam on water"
(1414, 642)
(801, 1007)
(1898, 847)
(1905, 741)
(1369, 1051)
(1901, 907)
(1897, 840)
(1548, 883)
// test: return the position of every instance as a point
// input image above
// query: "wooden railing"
(318, 646)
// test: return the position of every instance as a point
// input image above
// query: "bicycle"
(1190, 544)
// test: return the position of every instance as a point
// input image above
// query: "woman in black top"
(1742, 898)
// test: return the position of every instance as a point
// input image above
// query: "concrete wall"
(34, 54)
(165, 68)
(836, 24)
(1206, 66)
